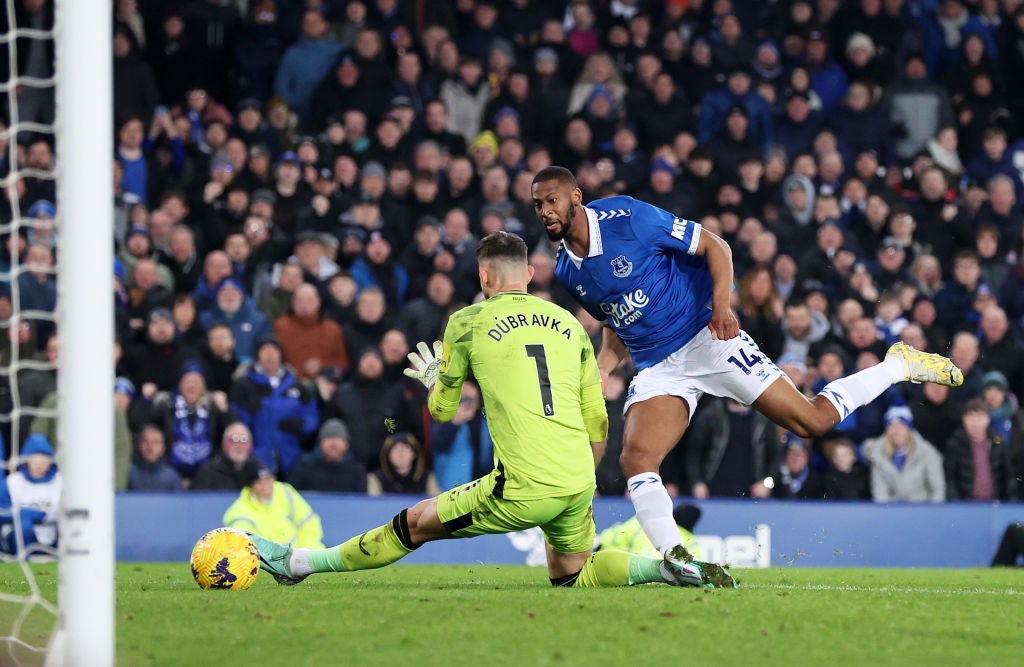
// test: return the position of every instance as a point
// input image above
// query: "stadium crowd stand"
(301, 186)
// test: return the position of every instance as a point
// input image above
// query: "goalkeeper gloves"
(426, 364)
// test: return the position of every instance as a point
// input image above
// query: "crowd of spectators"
(301, 184)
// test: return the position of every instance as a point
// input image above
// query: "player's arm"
(452, 369)
(723, 324)
(592, 404)
(662, 230)
(444, 396)
(613, 351)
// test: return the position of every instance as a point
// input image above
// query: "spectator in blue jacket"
(306, 63)
(714, 109)
(376, 266)
(943, 29)
(828, 79)
(280, 412)
(238, 311)
(33, 490)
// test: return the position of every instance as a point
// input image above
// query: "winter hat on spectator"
(373, 168)
(661, 164)
(545, 53)
(192, 367)
(333, 428)
(42, 208)
(859, 40)
(899, 413)
(230, 282)
(249, 104)
(399, 101)
(138, 229)
(221, 162)
(996, 379)
(329, 240)
(505, 112)
(601, 90)
(793, 441)
(123, 385)
(264, 194)
(36, 443)
(485, 139)
(161, 314)
(259, 150)
(288, 156)
(792, 360)
(251, 473)
(505, 46)
(686, 515)
(269, 339)
(816, 35)
(890, 243)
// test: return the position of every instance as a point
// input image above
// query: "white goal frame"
(85, 209)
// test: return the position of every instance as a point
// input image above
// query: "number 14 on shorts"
(746, 361)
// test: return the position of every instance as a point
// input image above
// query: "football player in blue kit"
(662, 286)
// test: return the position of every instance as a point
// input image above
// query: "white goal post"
(85, 205)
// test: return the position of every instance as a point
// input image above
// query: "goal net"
(56, 333)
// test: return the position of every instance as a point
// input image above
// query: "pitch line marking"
(1010, 592)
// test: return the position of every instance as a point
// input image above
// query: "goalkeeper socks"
(603, 568)
(851, 392)
(615, 568)
(375, 548)
(654, 510)
(308, 561)
(378, 547)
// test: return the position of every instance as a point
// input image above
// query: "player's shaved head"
(556, 173)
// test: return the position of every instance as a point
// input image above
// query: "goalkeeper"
(542, 391)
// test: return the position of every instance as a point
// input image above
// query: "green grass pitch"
(488, 615)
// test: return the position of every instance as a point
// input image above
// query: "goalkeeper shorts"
(472, 509)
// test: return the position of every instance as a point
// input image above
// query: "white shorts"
(733, 368)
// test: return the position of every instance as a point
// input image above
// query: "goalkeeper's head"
(503, 267)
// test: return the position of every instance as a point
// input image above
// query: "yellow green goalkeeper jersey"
(541, 389)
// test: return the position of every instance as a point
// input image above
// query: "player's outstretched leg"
(375, 548)
(902, 363)
(788, 408)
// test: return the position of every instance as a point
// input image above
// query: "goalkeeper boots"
(274, 558)
(684, 570)
(926, 367)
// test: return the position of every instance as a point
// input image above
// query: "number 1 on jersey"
(543, 379)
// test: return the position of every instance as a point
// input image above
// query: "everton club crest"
(622, 267)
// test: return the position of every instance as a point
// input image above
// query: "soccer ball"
(225, 558)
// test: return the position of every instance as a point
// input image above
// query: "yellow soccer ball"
(225, 558)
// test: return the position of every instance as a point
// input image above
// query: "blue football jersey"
(641, 276)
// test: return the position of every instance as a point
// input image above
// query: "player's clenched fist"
(724, 325)
(425, 364)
